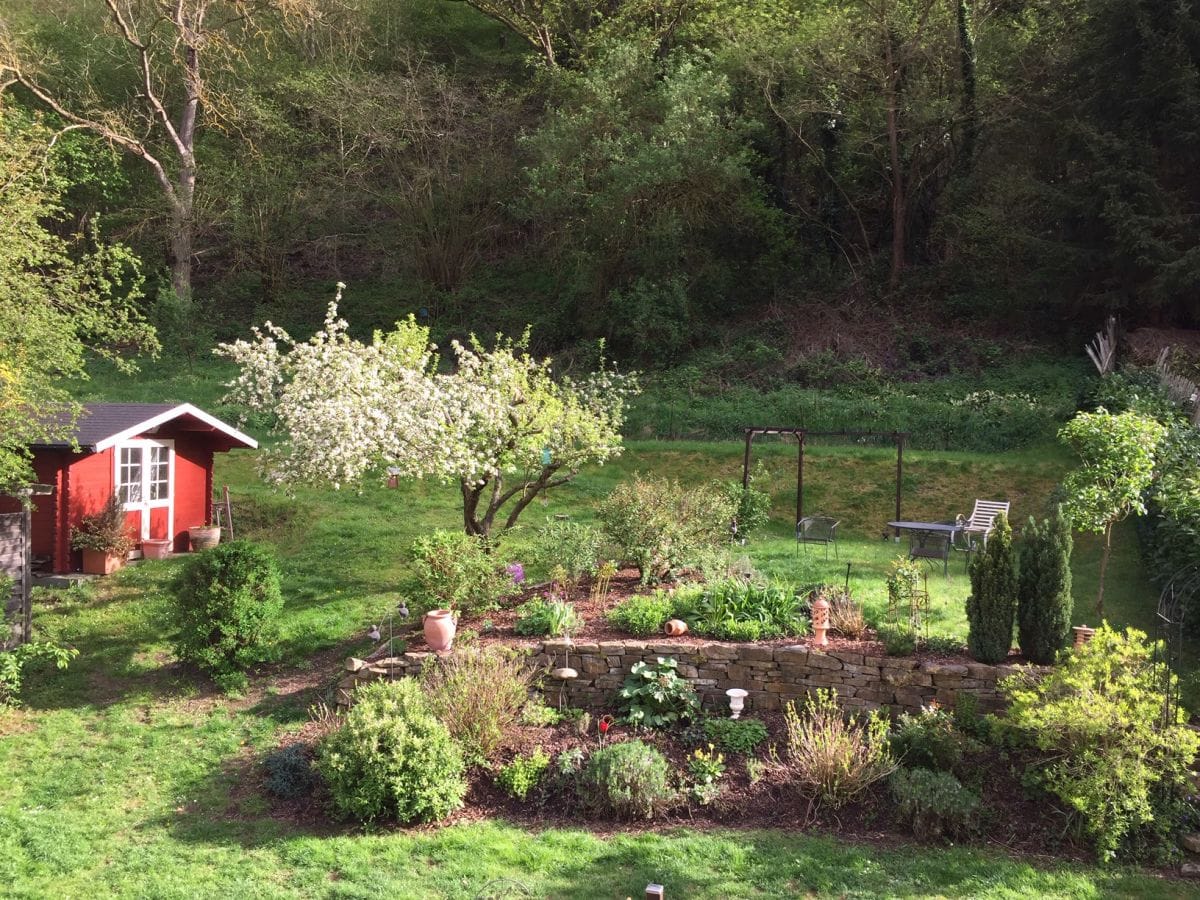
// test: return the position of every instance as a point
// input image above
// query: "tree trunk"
(181, 250)
(470, 495)
(970, 104)
(1103, 568)
(899, 202)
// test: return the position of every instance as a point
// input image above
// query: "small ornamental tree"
(993, 601)
(501, 424)
(1117, 454)
(1044, 601)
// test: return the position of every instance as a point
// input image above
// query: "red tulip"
(604, 726)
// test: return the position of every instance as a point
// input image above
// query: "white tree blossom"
(500, 423)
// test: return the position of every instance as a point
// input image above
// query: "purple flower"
(517, 571)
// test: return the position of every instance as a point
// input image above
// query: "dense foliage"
(13, 664)
(630, 779)
(656, 696)
(105, 531)
(479, 694)
(227, 608)
(992, 604)
(457, 571)
(1044, 601)
(936, 803)
(392, 759)
(539, 616)
(737, 609)
(1096, 722)
(642, 614)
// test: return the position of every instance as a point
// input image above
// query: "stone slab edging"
(771, 675)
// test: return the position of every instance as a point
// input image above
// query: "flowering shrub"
(456, 571)
(343, 405)
(392, 759)
(479, 694)
(834, 758)
(629, 779)
(1095, 722)
(656, 696)
(706, 769)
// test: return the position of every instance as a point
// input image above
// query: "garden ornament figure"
(737, 701)
(820, 621)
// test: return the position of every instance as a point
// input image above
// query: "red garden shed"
(157, 458)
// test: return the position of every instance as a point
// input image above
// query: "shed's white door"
(145, 479)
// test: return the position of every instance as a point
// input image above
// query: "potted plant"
(204, 537)
(104, 539)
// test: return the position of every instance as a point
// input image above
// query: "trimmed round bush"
(227, 607)
(631, 780)
(392, 759)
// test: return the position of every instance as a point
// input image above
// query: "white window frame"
(145, 504)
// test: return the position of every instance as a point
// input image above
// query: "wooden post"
(800, 478)
(899, 474)
(654, 892)
(27, 573)
(746, 461)
(228, 512)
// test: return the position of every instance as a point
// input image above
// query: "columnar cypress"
(993, 601)
(1044, 588)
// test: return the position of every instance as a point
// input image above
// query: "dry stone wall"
(771, 675)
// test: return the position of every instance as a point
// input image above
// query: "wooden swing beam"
(801, 435)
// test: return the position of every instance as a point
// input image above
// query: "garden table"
(930, 540)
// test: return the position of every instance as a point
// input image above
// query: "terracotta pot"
(675, 628)
(156, 549)
(439, 629)
(820, 621)
(1083, 634)
(204, 537)
(96, 562)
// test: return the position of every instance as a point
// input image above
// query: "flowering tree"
(1117, 453)
(500, 424)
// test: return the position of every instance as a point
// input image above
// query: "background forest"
(774, 192)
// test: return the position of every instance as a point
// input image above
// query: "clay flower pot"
(439, 629)
(820, 621)
(204, 537)
(675, 628)
(97, 562)
(156, 549)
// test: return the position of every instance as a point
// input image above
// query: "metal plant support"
(1168, 647)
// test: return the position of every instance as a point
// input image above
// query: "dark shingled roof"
(103, 420)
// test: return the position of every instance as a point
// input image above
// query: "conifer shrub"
(992, 605)
(1044, 603)
(227, 608)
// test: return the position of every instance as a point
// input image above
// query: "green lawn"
(128, 776)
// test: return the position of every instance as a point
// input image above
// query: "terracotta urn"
(97, 562)
(156, 549)
(820, 621)
(675, 627)
(439, 629)
(204, 537)
(1083, 634)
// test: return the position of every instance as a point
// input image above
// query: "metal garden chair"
(818, 530)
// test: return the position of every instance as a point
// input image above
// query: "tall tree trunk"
(970, 103)
(899, 202)
(1103, 568)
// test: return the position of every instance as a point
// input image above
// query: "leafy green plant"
(655, 696)
(1044, 603)
(105, 531)
(13, 663)
(392, 758)
(290, 773)
(993, 600)
(1117, 454)
(572, 547)
(1103, 749)
(941, 644)
(630, 779)
(457, 571)
(661, 528)
(935, 803)
(542, 617)
(929, 739)
(479, 693)
(521, 775)
(535, 712)
(642, 614)
(903, 589)
(706, 769)
(752, 507)
(735, 735)
(739, 609)
(834, 758)
(227, 608)
(899, 638)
